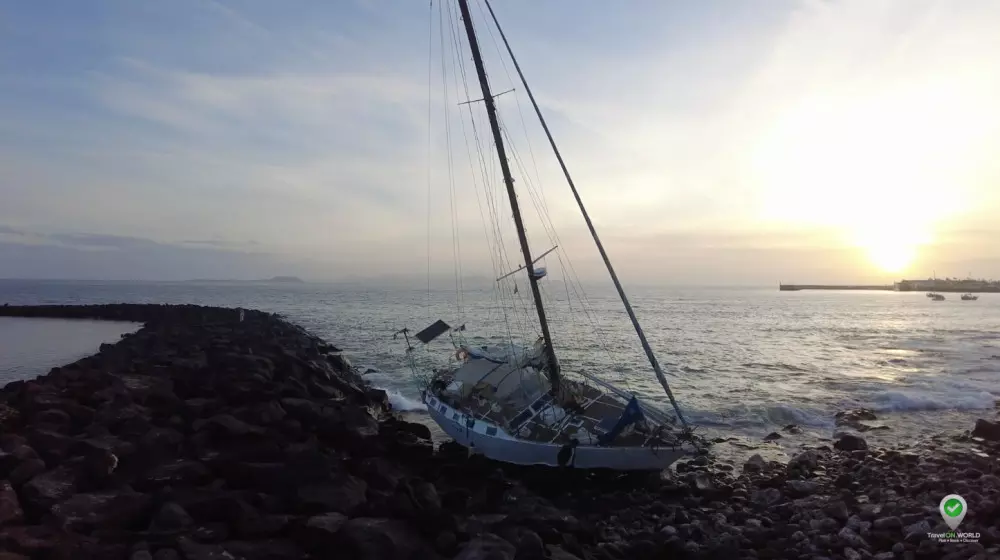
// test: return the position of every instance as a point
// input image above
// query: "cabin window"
(470, 422)
(454, 416)
(491, 430)
(442, 409)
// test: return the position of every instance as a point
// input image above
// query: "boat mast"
(593, 232)
(491, 111)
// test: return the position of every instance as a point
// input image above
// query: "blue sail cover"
(630, 415)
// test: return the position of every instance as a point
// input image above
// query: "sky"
(716, 142)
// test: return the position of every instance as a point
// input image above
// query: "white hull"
(501, 446)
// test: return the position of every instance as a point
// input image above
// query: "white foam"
(761, 415)
(898, 401)
(403, 403)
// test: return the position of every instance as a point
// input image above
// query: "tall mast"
(593, 232)
(491, 111)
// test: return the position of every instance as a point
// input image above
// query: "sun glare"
(889, 253)
(867, 168)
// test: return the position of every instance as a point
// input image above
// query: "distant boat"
(969, 297)
(937, 297)
(931, 294)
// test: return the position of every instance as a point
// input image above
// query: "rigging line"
(517, 100)
(464, 82)
(607, 262)
(521, 322)
(482, 159)
(451, 175)
(430, 121)
(454, 210)
(554, 235)
(550, 230)
(456, 42)
(504, 290)
(554, 238)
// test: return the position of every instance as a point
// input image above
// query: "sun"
(891, 256)
(890, 244)
(865, 168)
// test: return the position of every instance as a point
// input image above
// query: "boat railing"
(651, 411)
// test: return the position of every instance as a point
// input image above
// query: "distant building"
(947, 285)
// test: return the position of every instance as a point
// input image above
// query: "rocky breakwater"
(204, 436)
(209, 433)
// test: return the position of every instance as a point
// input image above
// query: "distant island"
(286, 279)
(275, 279)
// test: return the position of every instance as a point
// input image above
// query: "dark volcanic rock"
(383, 539)
(987, 430)
(103, 510)
(344, 496)
(10, 507)
(848, 417)
(850, 442)
(487, 547)
(321, 532)
(172, 516)
(179, 471)
(49, 488)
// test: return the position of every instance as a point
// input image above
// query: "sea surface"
(743, 362)
(31, 347)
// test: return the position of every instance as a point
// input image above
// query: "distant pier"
(797, 287)
(932, 285)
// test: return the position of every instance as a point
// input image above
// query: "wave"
(384, 380)
(778, 367)
(403, 403)
(763, 416)
(903, 401)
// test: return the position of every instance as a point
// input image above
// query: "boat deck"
(545, 422)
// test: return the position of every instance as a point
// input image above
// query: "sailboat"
(516, 404)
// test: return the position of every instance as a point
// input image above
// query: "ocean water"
(31, 347)
(744, 362)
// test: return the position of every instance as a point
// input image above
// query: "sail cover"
(631, 414)
(433, 331)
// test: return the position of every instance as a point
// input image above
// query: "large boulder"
(487, 547)
(847, 441)
(37, 541)
(383, 539)
(343, 496)
(987, 430)
(10, 507)
(321, 532)
(49, 488)
(103, 510)
(171, 517)
(178, 472)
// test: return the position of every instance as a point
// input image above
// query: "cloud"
(111, 257)
(251, 127)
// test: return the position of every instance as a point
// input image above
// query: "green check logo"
(953, 508)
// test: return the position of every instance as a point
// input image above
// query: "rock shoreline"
(202, 436)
